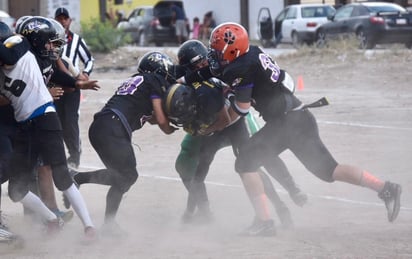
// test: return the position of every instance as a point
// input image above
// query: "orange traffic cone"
(300, 83)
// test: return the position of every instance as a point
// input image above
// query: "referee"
(68, 105)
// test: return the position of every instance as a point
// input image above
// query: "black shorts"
(112, 143)
(38, 137)
(296, 131)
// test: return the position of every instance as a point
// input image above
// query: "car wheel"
(158, 43)
(296, 41)
(364, 42)
(320, 39)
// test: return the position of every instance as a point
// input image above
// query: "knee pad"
(242, 165)
(17, 191)
(124, 180)
(61, 176)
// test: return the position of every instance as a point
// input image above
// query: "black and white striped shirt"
(76, 49)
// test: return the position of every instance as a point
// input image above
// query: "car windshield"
(316, 11)
(385, 8)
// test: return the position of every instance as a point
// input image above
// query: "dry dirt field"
(368, 123)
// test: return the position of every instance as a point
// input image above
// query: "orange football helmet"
(229, 41)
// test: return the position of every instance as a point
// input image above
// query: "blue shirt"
(180, 13)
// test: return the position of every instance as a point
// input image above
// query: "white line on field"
(325, 197)
(353, 124)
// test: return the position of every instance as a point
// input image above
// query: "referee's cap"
(61, 11)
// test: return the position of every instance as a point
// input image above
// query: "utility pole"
(244, 13)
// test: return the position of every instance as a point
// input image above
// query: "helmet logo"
(35, 26)
(229, 37)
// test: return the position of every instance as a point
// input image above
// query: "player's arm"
(61, 78)
(160, 117)
(222, 121)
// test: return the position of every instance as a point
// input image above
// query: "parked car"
(137, 24)
(370, 22)
(151, 24)
(295, 24)
(7, 19)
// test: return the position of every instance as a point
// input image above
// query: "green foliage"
(102, 36)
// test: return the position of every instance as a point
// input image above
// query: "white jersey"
(24, 86)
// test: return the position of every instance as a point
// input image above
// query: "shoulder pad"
(13, 40)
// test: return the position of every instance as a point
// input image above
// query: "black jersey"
(255, 75)
(52, 74)
(209, 101)
(133, 98)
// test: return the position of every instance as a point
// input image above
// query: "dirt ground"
(368, 123)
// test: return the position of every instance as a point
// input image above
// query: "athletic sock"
(34, 203)
(79, 206)
(370, 181)
(260, 203)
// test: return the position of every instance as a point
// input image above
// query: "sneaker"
(203, 217)
(90, 235)
(2, 224)
(66, 216)
(285, 217)
(299, 198)
(113, 229)
(54, 226)
(187, 217)
(391, 195)
(9, 238)
(260, 228)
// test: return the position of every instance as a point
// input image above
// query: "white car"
(7, 19)
(297, 23)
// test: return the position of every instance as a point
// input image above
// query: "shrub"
(102, 36)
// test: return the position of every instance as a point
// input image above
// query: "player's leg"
(310, 150)
(281, 209)
(47, 194)
(51, 147)
(277, 169)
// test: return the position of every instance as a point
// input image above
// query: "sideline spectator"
(208, 24)
(196, 28)
(180, 19)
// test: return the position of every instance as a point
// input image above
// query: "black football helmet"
(179, 104)
(191, 53)
(157, 62)
(39, 31)
(5, 31)
(20, 21)
(60, 40)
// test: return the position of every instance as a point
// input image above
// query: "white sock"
(79, 206)
(34, 203)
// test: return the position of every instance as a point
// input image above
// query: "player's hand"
(87, 85)
(205, 131)
(56, 92)
(171, 129)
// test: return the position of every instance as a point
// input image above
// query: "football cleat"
(391, 195)
(260, 228)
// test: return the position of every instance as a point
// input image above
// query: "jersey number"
(130, 86)
(16, 87)
(268, 64)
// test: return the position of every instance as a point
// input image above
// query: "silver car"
(137, 24)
